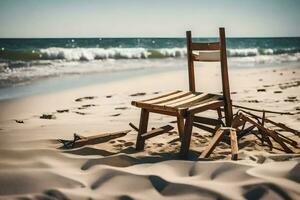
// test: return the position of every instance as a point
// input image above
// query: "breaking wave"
(88, 54)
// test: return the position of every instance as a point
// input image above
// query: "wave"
(88, 54)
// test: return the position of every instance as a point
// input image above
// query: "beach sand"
(33, 166)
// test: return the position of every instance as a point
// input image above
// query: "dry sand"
(32, 165)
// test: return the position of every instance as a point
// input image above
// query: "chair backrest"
(211, 52)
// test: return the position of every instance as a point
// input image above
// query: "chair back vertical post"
(190, 62)
(225, 79)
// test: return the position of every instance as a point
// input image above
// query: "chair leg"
(186, 138)
(213, 143)
(140, 143)
(234, 144)
(180, 124)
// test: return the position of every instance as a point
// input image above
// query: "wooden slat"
(207, 56)
(157, 132)
(202, 107)
(213, 143)
(168, 98)
(234, 144)
(189, 101)
(199, 102)
(162, 95)
(177, 100)
(209, 121)
(205, 46)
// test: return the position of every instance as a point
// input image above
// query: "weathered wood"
(180, 125)
(225, 79)
(270, 133)
(234, 144)
(156, 132)
(262, 110)
(191, 71)
(211, 46)
(162, 95)
(206, 120)
(202, 107)
(133, 126)
(95, 139)
(186, 139)
(140, 143)
(245, 132)
(161, 100)
(280, 125)
(194, 99)
(213, 143)
(203, 127)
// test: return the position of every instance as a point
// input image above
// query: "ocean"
(34, 66)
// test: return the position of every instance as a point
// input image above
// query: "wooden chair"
(186, 104)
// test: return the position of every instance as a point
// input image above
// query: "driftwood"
(80, 141)
(240, 119)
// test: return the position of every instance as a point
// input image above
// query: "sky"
(151, 18)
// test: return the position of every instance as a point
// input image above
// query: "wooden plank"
(207, 56)
(192, 95)
(95, 139)
(245, 132)
(225, 79)
(162, 95)
(234, 144)
(205, 46)
(168, 98)
(213, 143)
(186, 139)
(203, 127)
(191, 71)
(140, 143)
(158, 108)
(156, 132)
(202, 107)
(190, 101)
(209, 121)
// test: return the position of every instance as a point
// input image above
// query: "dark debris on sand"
(47, 116)
(85, 98)
(19, 121)
(138, 94)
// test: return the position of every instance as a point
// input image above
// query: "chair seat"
(180, 102)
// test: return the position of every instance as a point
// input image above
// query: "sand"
(33, 166)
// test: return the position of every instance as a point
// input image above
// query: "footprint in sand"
(121, 141)
(85, 98)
